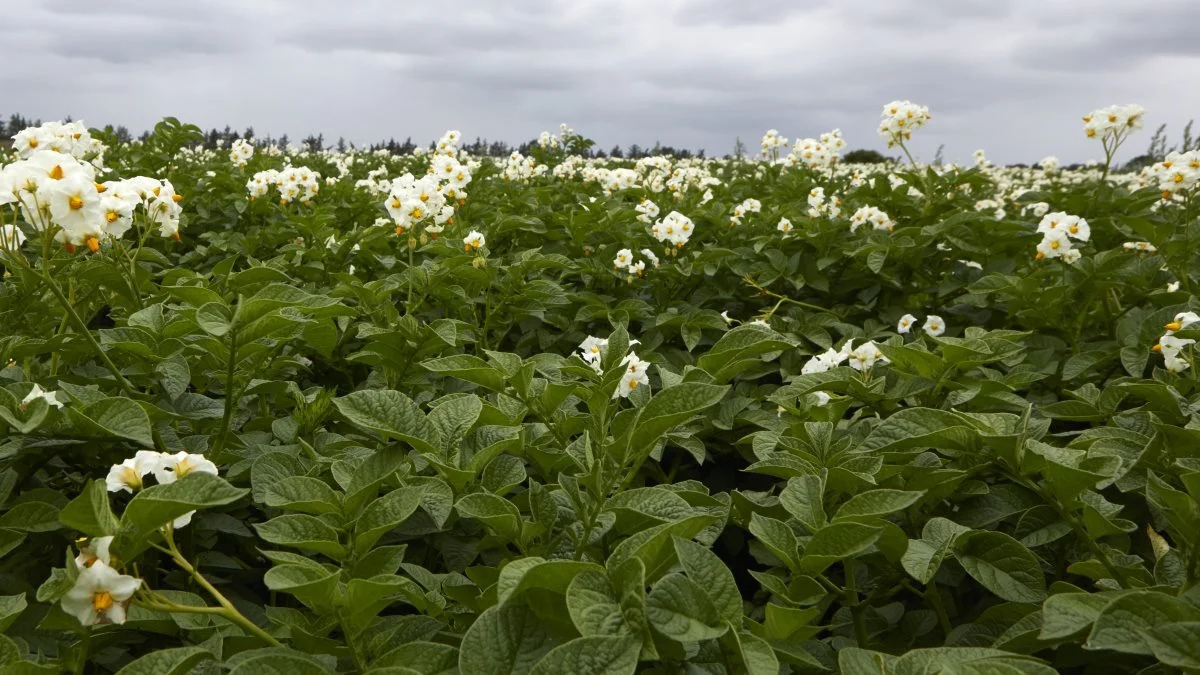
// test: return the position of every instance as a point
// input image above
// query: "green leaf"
(384, 514)
(303, 532)
(920, 427)
(755, 653)
(504, 640)
(497, 513)
(925, 555)
(1066, 614)
(777, 537)
(32, 516)
(304, 494)
(115, 417)
(469, 368)
(312, 584)
(11, 607)
(1121, 626)
(706, 569)
(424, 658)
(175, 661)
(1002, 565)
(653, 546)
(454, 418)
(680, 609)
(595, 655)
(391, 414)
(1175, 644)
(670, 408)
(803, 498)
(527, 574)
(837, 542)
(276, 661)
(877, 503)
(90, 512)
(740, 349)
(158, 505)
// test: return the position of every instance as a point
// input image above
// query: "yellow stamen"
(1174, 325)
(102, 601)
(56, 173)
(75, 203)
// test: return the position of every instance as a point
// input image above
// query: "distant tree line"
(480, 146)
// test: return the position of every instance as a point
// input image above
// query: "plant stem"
(230, 396)
(227, 609)
(856, 606)
(87, 334)
(934, 596)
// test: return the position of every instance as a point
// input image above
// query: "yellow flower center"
(111, 216)
(1174, 325)
(1074, 229)
(101, 188)
(56, 173)
(395, 203)
(93, 244)
(176, 198)
(75, 203)
(1054, 245)
(102, 601)
(633, 384)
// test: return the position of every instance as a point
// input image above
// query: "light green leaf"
(11, 607)
(175, 661)
(424, 658)
(497, 513)
(157, 505)
(304, 494)
(595, 655)
(303, 532)
(925, 555)
(837, 542)
(384, 514)
(504, 640)
(670, 408)
(1121, 626)
(90, 512)
(469, 368)
(391, 414)
(1176, 644)
(877, 503)
(115, 417)
(1002, 565)
(679, 609)
(1065, 614)
(710, 573)
(803, 498)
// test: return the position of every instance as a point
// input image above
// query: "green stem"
(856, 607)
(228, 610)
(934, 596)
(230, 397)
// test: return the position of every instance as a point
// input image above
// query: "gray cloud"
(1010, 77)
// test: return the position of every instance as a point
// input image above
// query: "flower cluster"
(861, 358)
(68, 138)
(1057, 230)
(674, 229)
(934, 325)
(820, 205)
(1140, 247)
(519, 168)
(647, 211)
(816, 153)
(624, 260)
(55, 191)
(473, 241)
(294, 184)
(1175, 176)
(411, 201)
(872, 215)
(1113, 123)
(1170, 346)
(241, 152)
(898, 120)
(167, 468)
(740, 211)
(772, 141)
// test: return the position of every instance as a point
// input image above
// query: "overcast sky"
(1010, 76)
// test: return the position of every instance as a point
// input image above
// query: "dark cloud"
(1010, 77)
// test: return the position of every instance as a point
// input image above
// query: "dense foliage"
(925, 443)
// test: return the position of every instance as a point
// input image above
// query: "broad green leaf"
(1002, 565)
(303, 532)
(391, 414)
(504, 640)
(384, 514)
(90, 512)
(497, 513)
(174, 661)
(670, 408)
(31, 516)
(455, 417)
(708, 571)
(304, 494)
(837, 542)
(469, 368)
(276, 661)
(424, 658)
(925, 555)
(595, 655)
(653, 546)
(1065, 614)
(680, 609)
(528, 574)
(11, 607)
(1123, 623)
(157, 505)
(116, 417)
(311, 584)
(877, 503)
(803, 499)
(1176, 644)
(755, 653)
